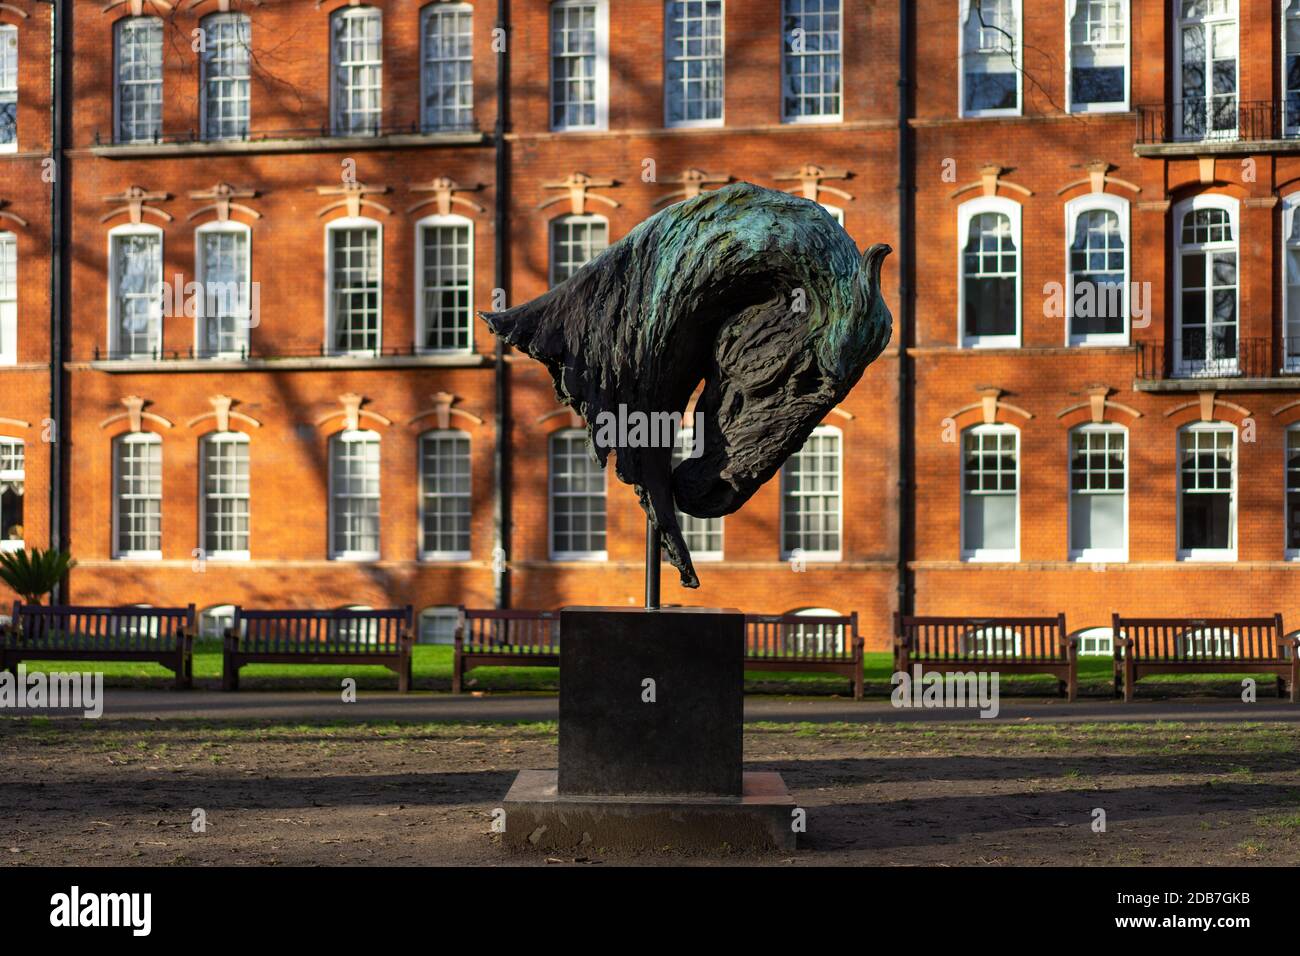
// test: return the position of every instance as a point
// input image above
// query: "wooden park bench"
(382, 638)
(1007, 645)
(502, 638)
(789, 642)
(805, 642)
(1225, 645)
(161, 635)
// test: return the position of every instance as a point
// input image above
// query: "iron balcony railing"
(195, 136)
(1221, 119)
(1186, 357)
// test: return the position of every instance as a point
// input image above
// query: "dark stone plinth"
(688, 741)
(537, 817)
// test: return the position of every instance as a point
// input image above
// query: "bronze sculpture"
(757, 293)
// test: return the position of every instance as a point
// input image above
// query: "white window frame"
(965, 213)
(788, 58)
(601, 66)
(9, 476)
(365, 436)
(1101, 637)
(603, 555)
(978, 555)
(1087, 555)
(145, 438)
(1290, 122)
(1178, 117)
(429, 12)
(713, 122)
(9, 304)
(200, 275)
(1290, 298)
(1073, 210)
(585, 218)
(114, 318)
(337, 112)
(1232, 206)
(337, 225)
(1209, 554)
(217, 613)
(434, 611)
(8, 30)
(435, 434)
(989, 641)
(421, 318)
(682, 444)
(246, 80)
(1071, 10)
(234, 438)
(966, 12)
(821, 431)
(1290, 553)
(118, 29)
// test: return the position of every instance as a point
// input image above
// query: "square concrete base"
(539, 818)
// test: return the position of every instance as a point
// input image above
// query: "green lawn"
(433, 662)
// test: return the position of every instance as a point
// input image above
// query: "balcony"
(291, 139)
(1222, 124)
(1229, 365)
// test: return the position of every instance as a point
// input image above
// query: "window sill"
(444, 557)
(309, 144)
(1197, 555)
(583, 556)
(355, 556)
(991, 557)
(139, 556)
(285, 364)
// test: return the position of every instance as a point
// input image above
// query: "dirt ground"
(980, 793)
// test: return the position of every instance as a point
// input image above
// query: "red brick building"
(1090, 279)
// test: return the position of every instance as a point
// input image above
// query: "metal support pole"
(652, 547)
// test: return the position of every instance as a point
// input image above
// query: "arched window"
(357, 51)
(812, 499)
(1096, 228)
(137, 495)
(447, 74)
(135, 264)
(223, 265)
(8, 298)
(1099, 493)
(989, 264)
(995, 642)
(575, 241)
(438, 624)
(139, 87)
(1098, 33)
(1205, 274)
(13, 481)
(224, 484)
(579, 64)
(354, 496)
(445, 504)
(1096, 642)
(815, 637)
(224, 62)
(444, 269)
(355, 630)
(354, 286)
(577, 498)
(1209, 642)
(990, 512)
(1205, 69)
(990, 57)
(214, 621)
(1207, 492)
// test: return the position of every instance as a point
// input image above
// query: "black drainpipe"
(906, 308)
(501, 449)
(60, 11)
